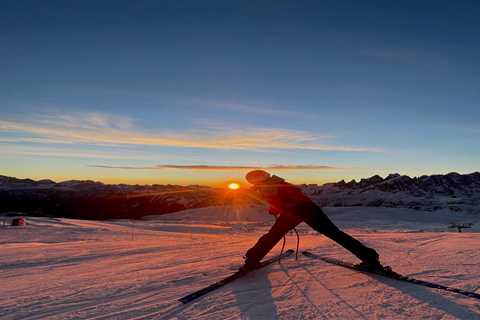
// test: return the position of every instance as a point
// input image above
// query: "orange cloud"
(101, 129)
(219, 167)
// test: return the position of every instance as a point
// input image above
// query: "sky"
(199, 92)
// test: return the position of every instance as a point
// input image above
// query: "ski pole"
(298, 243)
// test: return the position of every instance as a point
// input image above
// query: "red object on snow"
(19, 222)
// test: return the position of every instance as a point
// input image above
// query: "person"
(291, 207)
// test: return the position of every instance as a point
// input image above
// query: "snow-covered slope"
(75, 269)
(366, 218)
(220, 214)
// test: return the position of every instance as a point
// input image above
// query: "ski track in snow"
(74, 269)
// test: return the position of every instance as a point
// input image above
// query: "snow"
(453, 191)
(74, 269)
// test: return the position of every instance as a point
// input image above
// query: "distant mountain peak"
(454, 191)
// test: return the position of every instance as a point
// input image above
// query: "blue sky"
(115, 90)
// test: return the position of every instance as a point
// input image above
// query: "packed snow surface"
(75, 269)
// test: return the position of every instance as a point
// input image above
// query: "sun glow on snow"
(233, 186)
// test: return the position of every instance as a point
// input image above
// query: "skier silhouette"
(291, 207)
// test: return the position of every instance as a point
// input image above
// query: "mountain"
(454, 191)
(94, 200)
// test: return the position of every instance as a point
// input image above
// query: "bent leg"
(321, 223)
(266, 242)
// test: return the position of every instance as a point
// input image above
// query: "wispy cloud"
(403, 55)
(257, 109)
(45, 151)
(218, 167)
(88, 121)
(392, 55)
(102, 129)
(33, 140)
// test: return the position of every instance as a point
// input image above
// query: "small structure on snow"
(460, 226)
(19, 222)
(13, 219)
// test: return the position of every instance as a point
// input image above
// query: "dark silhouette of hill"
(95, 200)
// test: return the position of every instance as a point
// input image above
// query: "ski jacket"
(283, 197)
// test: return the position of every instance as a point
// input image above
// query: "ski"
(236, 275)
(393, 275)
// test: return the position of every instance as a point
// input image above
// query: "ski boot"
(373, 266)
(249, 266)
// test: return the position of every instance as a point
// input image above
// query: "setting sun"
(233, 186)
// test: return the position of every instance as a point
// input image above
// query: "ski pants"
(318, 220)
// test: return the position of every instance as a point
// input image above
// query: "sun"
(233, 186)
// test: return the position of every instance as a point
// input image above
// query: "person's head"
(256, 177)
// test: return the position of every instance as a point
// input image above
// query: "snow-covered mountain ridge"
(96, 200)
(454, 191)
